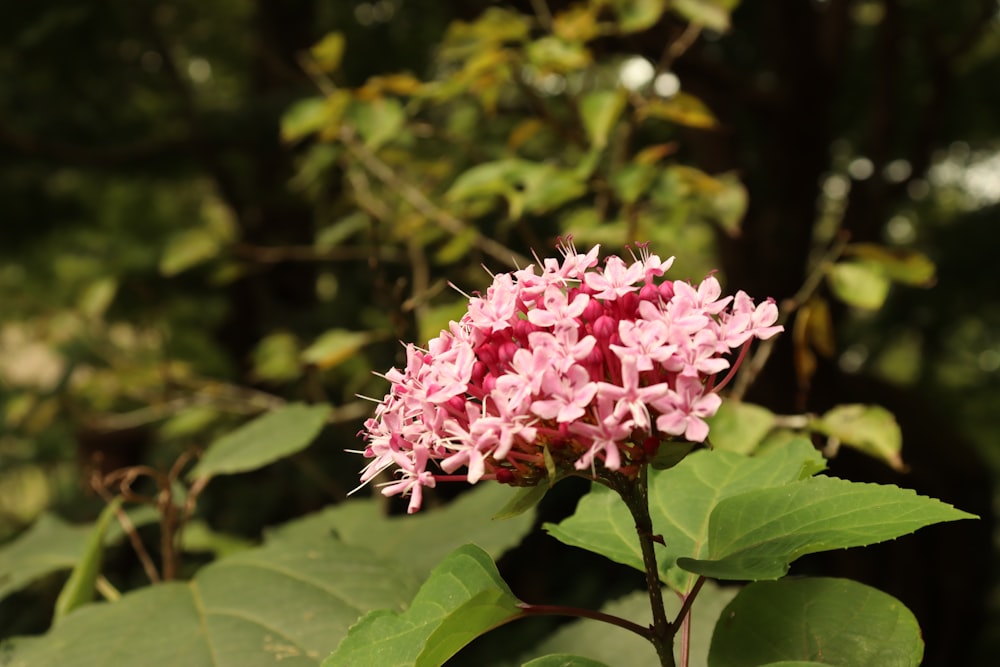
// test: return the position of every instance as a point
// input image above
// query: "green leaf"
(681, 500)
(563, 660)
(600, 110)
(335, 346)
(81, 585)
(198, 536)
(486, 179)
(275, 435)
(670, 453)
(305, 117)
(712, 14)
(188, 422)
(188, 249)
(815, 621)
(528, 186)
(276, 358)
(633, 180)
(869, 428)
(427, 537)
(463, 598)
(49, 545)
(636, 15)
(859, 284)
(97, 296)
(619, 648)
(342, 229)
(739, 427)
(902, 265)
(552, 54)
(287, 604)
(52, 545)
(525, 499)
(378, 120)
(546, 187)
(757, 534)
(728, 206)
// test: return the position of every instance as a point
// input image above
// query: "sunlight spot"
(860, 168)
(667, 84)
(635, 73)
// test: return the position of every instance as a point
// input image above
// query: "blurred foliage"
(212, 211)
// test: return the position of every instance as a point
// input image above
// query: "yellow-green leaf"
(334, 347)
(188, 249)
(859, 284)
(902, 265)
(683, 109)
(868, 428)
(713, 14)
(329, 51)
(276, 358)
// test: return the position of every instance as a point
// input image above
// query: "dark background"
(123, 123)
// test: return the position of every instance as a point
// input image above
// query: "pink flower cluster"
(567, 364)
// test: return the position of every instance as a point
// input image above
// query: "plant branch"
(129, 529)
(812, 282)
(558, 610)
(419, 201)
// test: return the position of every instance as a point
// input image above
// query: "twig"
(129, 528)
(543, 13)
(419, 201)
(678, 47)
(812, 282)
(278, 254)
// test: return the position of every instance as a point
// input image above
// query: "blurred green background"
(208, 207)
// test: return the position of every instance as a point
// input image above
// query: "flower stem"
(684, 618)
(635, 494)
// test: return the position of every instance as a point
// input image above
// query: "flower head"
(566, 362)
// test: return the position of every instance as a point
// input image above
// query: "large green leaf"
(421, 540)
(815, 621)
(52, 545)
(681, 500)
(289, 603)
(463, 598)
(563, 660)
(757, 534)
(617, 647)
(279, 433)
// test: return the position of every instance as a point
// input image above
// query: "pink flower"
(684, 410)
(563, 362)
